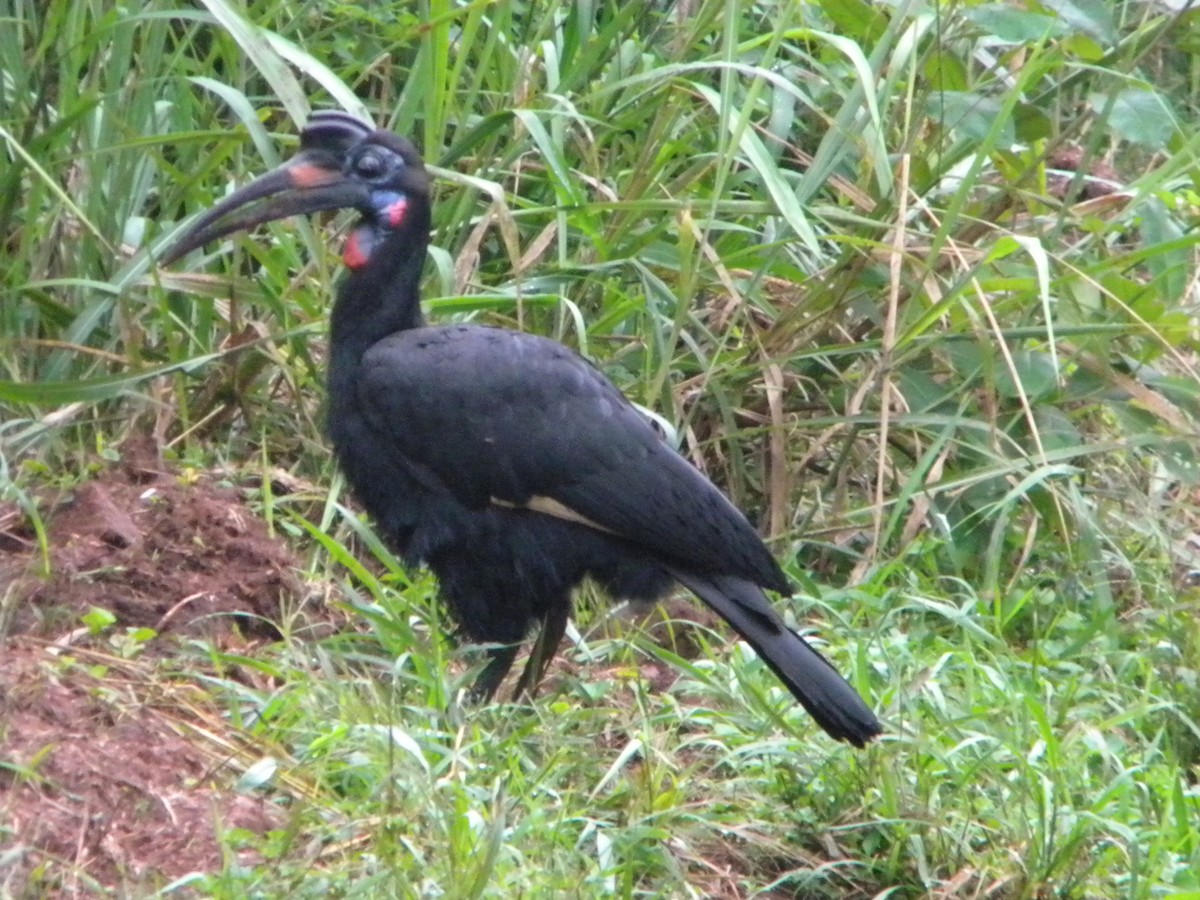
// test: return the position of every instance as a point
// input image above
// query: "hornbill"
(502, 460)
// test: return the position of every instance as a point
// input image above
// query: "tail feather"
(810, 677)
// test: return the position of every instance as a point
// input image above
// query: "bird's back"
(500, 419)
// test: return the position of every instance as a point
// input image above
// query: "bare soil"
(105, 787)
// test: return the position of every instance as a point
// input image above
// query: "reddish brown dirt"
(1100, 179)
(157, 553)
(106, 794)
(105, 787)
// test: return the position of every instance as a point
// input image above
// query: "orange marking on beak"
(306, 175)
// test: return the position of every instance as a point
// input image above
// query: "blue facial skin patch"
(389, 207)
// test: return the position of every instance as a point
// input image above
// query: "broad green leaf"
(1091, 17)
(1036, 372)
(1013, 25)
(973, 116)
(1141, 115)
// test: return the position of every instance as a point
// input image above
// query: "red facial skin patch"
(362, 241)
(395, 212)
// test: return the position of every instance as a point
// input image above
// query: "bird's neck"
(378, 298)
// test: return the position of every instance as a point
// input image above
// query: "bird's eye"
(369, 165)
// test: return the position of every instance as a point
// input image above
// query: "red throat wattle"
(356, 253)
(361, 243)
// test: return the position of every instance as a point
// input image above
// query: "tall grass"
(917, 283)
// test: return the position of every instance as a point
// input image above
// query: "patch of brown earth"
(104, 785)
(156, 552)
(101, 792)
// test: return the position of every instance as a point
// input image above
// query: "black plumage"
(502, 460)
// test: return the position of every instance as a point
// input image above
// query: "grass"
(857, 253)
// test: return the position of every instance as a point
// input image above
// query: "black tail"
(834, 705)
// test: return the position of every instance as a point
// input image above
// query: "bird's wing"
(506, 418)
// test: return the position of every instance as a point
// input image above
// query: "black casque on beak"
(312, 181)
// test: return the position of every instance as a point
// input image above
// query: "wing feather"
(501, 416)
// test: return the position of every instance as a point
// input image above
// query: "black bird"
(502, 460)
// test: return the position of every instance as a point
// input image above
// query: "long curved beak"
(311, 182)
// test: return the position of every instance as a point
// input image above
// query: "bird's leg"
(493, 673)
(554, 625)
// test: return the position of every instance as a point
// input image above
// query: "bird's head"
(342, 164)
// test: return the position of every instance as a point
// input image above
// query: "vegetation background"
(916, 280)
